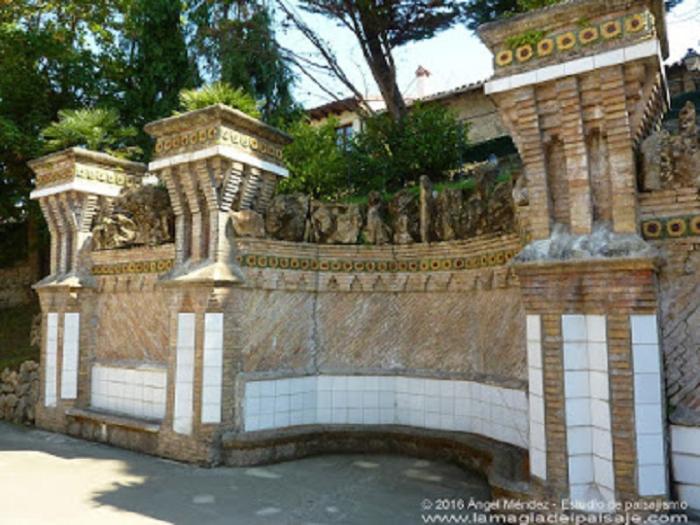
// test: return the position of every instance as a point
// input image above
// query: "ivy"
(531, 37)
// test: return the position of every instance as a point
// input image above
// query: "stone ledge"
(505, 466)
(142, 425)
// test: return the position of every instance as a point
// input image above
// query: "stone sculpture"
(287, 218)
(140, 216)
(335, 223)
(248, 223)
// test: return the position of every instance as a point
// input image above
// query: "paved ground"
(51, 479)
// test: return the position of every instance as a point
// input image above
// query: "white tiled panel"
(213, 367)
(648, 395)
(69, 368)
(586, 389)
(685, 454)
(138, 392)
(184, 374)
(499, 413)
(51, 360)
(538, 444)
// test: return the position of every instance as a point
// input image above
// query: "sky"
(454, 57)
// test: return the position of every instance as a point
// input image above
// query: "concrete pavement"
(52, 479)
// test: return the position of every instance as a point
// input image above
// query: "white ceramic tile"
(536, 409)
(600, 386)
(545, 74)
(596, 329)
(647, 358)
(600, 414)
(598, 356)
(652, 480)
(576, 356)
(537, 437)
(602, 443)
(534, 354)
(578, 412)
(644, 49)
(498, 85)
(283, 387)
(580, 65)
(370, 402)
(648, 419)
(644, 329)
(50, 380)
(686, 469)
(650, 449)
(184, 374)
(580, 469)
(579, 440)
(533, 328)
(214, 322)
(690, 494)
(603, 472)
(647, 388)
(573, 328)
(339, 382)
(69, 371)
(609, 58)
(576, 385)
(685, 440)
(325, 383)
(538, 464)
(282, 419)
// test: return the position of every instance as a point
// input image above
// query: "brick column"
(592, 401)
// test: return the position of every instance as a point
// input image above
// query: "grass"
(15, 327)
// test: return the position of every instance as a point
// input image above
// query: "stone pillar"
(602, 80)
(577, 101)
(69, 187)
(214, 161)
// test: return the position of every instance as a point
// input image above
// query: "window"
(344, 134)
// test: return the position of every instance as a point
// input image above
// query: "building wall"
(477, 109)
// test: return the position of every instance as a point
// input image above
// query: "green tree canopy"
(235, 42)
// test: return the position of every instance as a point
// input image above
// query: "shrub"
(385, 156)
(388, 155)
(219, 93)
(97, 129)
(317, 166)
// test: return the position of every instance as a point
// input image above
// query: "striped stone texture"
(679, 302)
(576, 137)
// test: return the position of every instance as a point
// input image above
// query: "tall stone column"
(578, 85)
(70, 185)
(213, 161)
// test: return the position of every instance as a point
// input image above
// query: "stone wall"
(671, 222)
(132, 323)
(19, 392)
(454, 314)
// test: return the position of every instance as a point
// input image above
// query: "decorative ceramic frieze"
(671, 227)
(486, 260)
(630, 29)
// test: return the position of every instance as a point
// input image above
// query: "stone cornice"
(217, 113)
(77, 154)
